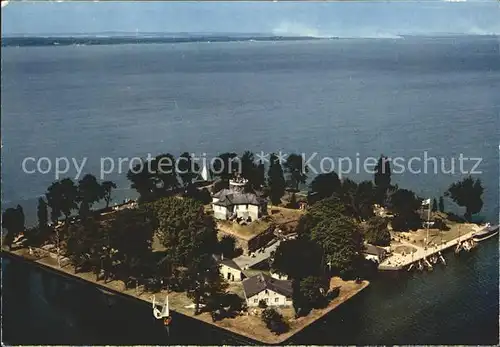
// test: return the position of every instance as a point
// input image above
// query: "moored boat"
(486, 232)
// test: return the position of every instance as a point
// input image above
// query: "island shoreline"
(232, 332)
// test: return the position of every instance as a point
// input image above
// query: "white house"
(229, 270)
(374, 253)
(272, 291)
(233, 202)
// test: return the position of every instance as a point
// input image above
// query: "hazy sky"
(377, 19)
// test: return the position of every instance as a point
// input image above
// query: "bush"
(274, 321)
(262, 303)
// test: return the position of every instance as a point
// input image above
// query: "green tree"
(227, 246)
(274, 321)
(297, 258)
(131, 234)
(405, 204)
(377, 232)
(13, 221)
(321, 210)
(249, 170)
(340, 238)
(358, 199)
(62, 197)
(204, 281)
(226, 165)
(79, 243)
(184, 229)
(434, 205)
(382, 178)
(275, 180)
(107, 188)
(295, 169)
(42, 214)
(260, 176)
(325, 185)
(164, 173)
(313, 291)
(89, 192)
(188, 169)
(441, 204)
(467, 193)
(143, 181)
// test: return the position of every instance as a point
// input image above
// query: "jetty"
(406, 254)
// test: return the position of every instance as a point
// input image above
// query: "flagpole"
(428, 218)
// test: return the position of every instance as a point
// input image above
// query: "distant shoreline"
(36, 41)
(104, 39)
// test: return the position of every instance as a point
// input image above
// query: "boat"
(485, 233)
(420, 266)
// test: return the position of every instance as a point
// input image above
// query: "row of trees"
(122, 249)
(160, 177)
(64, 196)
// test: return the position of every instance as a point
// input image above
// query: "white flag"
(426, 202)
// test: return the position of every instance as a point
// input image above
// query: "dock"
(400, 261)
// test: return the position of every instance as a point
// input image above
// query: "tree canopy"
(188, 169)
(13, 220)
(251, 171)
(42, 214)
(62, 197)
(131, 235)
(313, 292)
(467, 193)
(297, 258)
(275, 180)
(405, 204)
(227, 246)
(376, 231)
(325, 185)
(382, 178)
(184, 229)
(274, 321)
(226, 165)
(339, 236)
(89, 192)
(295, 169)
(107, 187)
(142, 180)
(342, 243)
(358, 198)
(164, 173)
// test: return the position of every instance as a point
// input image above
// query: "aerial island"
(244, 249)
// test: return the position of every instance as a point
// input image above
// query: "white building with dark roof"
(228, 269)
(272, 291)
(234, 203)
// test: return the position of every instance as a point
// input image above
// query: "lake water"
(338, 98)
